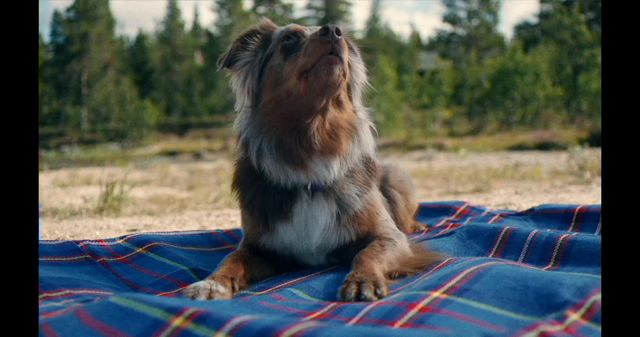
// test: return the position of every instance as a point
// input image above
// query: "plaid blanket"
(529, 273)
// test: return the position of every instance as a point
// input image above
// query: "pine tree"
(570, 30)
(473, 30)
(197, 37)
(174, 53)
(471, 40)
(276, 10)
(322, 12)
(380, 48)
(54, 74)
(410, 76)
(92, 95)
(528, 35)
(371, 44)
(232, 20)
(573, 26)
(194, 99)
(43, 88)
(217, 92)
(141, 67)
(521, 92)
(89, 31)
(408, 63)
(552, 22)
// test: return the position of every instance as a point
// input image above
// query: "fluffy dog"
(310, 189)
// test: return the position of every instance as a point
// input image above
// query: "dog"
(310, 188)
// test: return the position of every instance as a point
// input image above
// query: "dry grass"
(160, 194)
(161, 186)
(584, 164)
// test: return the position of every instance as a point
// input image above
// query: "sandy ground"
(177, 195)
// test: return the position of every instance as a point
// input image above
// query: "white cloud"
(360, 10)
(140, 14)
(516, 11)
(132, 15)
(147, 14)
(425, 15)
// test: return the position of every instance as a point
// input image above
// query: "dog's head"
(294, 65)
(299, 100)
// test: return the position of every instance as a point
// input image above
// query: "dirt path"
(162, 195)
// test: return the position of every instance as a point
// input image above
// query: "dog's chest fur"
(311, 226)
(312, 232)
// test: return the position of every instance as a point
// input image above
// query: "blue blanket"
(529, 273)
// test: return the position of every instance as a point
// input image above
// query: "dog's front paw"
(358, 287)
(212, 288)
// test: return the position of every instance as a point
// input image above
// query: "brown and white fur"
(310, 188)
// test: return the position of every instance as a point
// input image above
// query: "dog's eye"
(292, 37)
(291, 43)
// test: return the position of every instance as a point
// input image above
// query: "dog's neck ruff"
(320, 170)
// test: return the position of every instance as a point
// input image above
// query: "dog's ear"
(245, 48)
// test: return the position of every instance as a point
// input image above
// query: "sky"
(426, 15)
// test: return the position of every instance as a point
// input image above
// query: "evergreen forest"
(96, 86)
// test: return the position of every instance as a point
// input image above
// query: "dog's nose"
(330, 32)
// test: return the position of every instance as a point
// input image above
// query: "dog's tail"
(420, 259)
